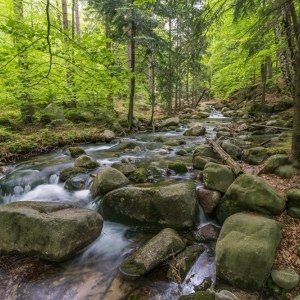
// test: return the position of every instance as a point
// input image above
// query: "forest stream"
(93, 273)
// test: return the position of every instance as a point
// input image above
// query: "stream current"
(93, 273)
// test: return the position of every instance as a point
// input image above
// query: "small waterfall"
(53, 179)
(18, 190)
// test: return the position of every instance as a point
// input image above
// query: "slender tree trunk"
(131, 65)
(269, 67)
(77, 20)
(170, 67)
(264, 81)
(151, 84)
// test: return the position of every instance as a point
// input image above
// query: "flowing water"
(93, 273)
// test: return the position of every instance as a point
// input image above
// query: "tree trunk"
(77, 20)
(131, 65)
(151, 83)
(269, 67)
(264, 81)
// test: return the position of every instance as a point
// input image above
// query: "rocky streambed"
(164, 197)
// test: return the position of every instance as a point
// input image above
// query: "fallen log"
(234, 166)
(273, 127)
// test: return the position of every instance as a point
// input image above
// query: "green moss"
(178, 166)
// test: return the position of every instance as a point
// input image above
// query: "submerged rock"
(245, 250)
(161, 247)
(173, 206)
(49, 230)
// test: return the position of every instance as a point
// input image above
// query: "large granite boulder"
(173, 206)
(293, 203)
(250, 193)
(245, 250)
(161, 247)
(49, 230)
(195, 130)
(206, 151)
(217, 177)
(285, 171)
(87, 162)
(255, 156)
(107, 180)
(232, 149)
(170, 122)
(199, 162)
(274, 162)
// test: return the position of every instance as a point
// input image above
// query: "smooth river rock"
(49, 230)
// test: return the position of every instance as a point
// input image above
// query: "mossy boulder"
(250, 193)
(199, 162)
(195, 130)
(76, 151)
(66, 173)
(140, 175)
(178, 166)
(255, 156)
(49, 230)
(274, 162)
(126, 169)
(286, 279)
(161, 247)
(232, 149)
(87, 162)
(125, 146)
(107, 180)
(182, 263)
(293, 203)
(217, 177)
(205, 150)
(245, 250)
(170, 122)
(259, 109)
(282, 105)
(285, 171)
(149, 208)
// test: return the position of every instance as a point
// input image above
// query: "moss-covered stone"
(250, 193)
(274, 162)
(285, 171)
(85, 161)
(140, 175)
(217, 177)
(178, 166)
(49, 230)
(107, 180)
(246, 249)
(255, 156)
(205, 150)
(76, 151)
(199, 162)
(66, 173)
(149, 208)
(195, 130)
(161, 247)
(126, 169)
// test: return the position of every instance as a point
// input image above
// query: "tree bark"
(131, 65)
